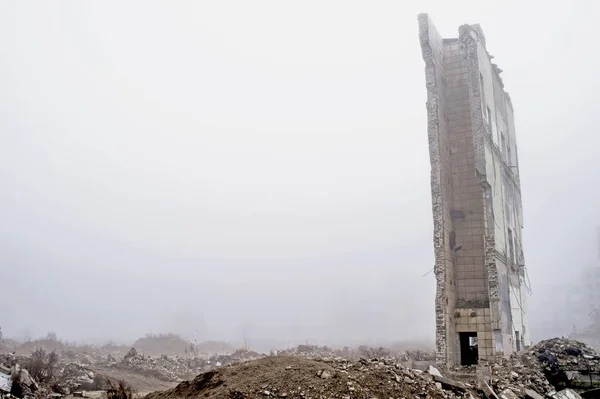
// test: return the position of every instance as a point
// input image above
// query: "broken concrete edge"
(488, 391)
(453, 385)
(566, 394)
(434, 371)
(531, 394)
(508, 394)
(425, 31)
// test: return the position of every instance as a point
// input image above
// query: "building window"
(511, 247)
(489, 118)
(503, 146)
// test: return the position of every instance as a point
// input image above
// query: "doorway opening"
(469, 353)
(518, 339)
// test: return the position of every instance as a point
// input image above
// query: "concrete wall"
(496, 132)
(476, 199)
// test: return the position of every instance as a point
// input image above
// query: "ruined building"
(480, 304)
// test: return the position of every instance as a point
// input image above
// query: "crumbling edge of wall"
(436, 187)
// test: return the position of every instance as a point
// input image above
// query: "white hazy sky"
(263, 166)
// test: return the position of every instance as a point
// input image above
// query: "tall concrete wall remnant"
(480, 304)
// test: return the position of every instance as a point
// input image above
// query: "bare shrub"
(42, 365)
(373, 353)
(100, 383)
(51, 336)
(121, 391)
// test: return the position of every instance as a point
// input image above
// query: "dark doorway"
(518, 339)
(469, 353)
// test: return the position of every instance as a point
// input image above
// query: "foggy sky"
(263, 166)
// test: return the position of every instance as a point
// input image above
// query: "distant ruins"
(481, 299)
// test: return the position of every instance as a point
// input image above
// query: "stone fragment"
(531, 394)
(433, 371)
(326, 374)
(567, 394)
(508, 394)
(453, 385)
(488, 391)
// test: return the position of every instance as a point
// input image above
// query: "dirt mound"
(296, 377)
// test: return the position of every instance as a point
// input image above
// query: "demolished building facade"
(481, 304)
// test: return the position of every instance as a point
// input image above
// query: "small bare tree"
(42, 365)
(51, 336)
(121, 391)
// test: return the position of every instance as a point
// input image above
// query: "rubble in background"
(165, 368)
(308, 351)
(239, 356)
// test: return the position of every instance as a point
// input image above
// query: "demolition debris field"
(543, 370)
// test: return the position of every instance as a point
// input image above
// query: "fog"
(262, 168)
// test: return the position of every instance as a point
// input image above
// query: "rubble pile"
(308, 351)
(282, 376)
(565, 362)
(23, 384)
(239, 356)
(73, 377)
(297, 377)
(514, 375)
(309, 372)
(420, 355)
(82, 358)
(164, 368)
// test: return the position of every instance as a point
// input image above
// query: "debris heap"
(308, 351)
(164, 368)
(296, 377)
(565, 363)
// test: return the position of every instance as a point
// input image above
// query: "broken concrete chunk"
(433, 371)
(454, 385)
(531, 394)
(132, 353)
(567, 394)
(488, 391)
(5, 382)
(325, 374)
(508, 394)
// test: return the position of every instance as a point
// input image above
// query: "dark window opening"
(469, 353)
(511, 247)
